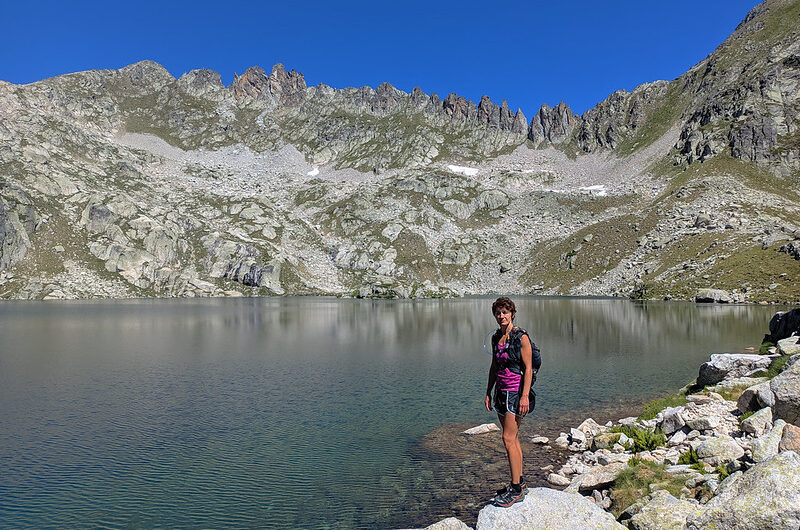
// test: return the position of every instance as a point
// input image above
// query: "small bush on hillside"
(764, 349)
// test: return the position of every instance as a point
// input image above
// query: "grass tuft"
(775, 367)
(652, 408)
(730, 394)
(634, 482)
(764, 349)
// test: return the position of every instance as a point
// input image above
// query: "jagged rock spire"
(280, 85)
(553, 125)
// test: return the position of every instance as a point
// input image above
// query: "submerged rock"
(482, 429)
(548, 508)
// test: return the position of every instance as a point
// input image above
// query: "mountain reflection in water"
(285, 412)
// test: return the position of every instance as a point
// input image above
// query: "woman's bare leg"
(510, 424)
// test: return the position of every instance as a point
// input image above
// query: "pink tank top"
(506, 379)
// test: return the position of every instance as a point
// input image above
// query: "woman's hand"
(524, 405)
(487, 403)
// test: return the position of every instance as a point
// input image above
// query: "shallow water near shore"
(305, 412)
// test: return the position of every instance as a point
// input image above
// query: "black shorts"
(506, 401)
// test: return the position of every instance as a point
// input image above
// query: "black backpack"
(515, 357)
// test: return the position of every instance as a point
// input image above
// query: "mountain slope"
(130, 182)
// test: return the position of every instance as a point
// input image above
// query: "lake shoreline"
(481, 462)
(728, 455)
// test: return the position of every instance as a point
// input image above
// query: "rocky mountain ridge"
(133, 183)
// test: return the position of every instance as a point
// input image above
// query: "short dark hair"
(505, 303)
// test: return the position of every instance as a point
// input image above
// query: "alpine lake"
(303, 412)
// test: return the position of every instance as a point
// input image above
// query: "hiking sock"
(516, 487)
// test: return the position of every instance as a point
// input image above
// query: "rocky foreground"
(727, 457)
(133, 183)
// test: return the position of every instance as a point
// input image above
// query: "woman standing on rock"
(514, 364)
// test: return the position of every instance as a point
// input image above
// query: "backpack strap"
(515, 354)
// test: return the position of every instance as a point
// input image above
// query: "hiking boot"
(509, 497)
(508, 486)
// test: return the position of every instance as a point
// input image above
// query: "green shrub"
(722, 471)
(764, 349)
(746, 415)
(642, 439)
(699, 467)
(689, 457)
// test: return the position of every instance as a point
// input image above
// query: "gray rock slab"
(577, 436)
(719, 449)
(548, 508)
(766, 446)
(767, 496)
(722, 366)
(759, 422)
(558, 480)
(678, 438)
(601, 477)
(673, 420)
(790, 441)
(713, 295)
(703, 423)
(755, 397)
(664, 512)
(451, 523)
(786, 388)
(590, 427)
(789, 345)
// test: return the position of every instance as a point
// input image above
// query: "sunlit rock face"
(118, 183)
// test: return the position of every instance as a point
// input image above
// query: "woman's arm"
(527, 374)
(492, 377)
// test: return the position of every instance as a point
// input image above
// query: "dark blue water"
(294, 412)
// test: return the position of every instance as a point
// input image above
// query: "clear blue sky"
(527, 52)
